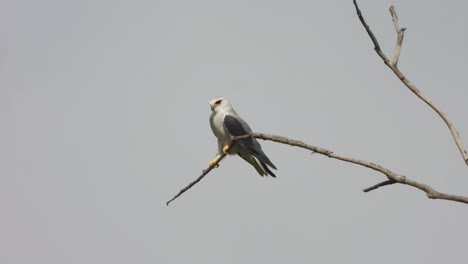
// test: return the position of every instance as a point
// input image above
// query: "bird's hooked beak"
(215, 104)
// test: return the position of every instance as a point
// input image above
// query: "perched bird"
(226, 123)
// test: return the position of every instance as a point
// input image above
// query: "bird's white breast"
(217, 125)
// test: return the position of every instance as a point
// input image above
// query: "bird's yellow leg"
(226, 149)
(213, 161)
(216, 159)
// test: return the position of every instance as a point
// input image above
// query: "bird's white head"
(219, 103)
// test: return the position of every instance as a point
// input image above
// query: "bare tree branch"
(204, 173)
(392, 176)
(393, 66)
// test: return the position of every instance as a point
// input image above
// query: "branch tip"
(378, 185)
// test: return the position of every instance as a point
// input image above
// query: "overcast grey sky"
(104, 117)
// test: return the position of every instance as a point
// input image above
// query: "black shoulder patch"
(234, 126)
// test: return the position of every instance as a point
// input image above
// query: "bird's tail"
(268, 170)
(262, 168)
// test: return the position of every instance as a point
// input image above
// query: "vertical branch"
(400, 34)
(371, 35)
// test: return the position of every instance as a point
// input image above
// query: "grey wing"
(238, 127)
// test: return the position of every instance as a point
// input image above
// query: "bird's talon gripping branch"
(226, 149)
(213, 162)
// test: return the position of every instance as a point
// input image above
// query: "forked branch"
(393, 65)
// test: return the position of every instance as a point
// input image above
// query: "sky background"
(104, 117)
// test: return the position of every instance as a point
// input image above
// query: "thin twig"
(204, 173)
(378, 185)
(394, 18)
(393, 66)
(371, 34)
